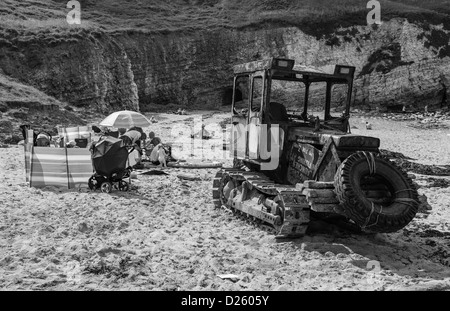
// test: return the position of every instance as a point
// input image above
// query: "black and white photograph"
(227, 150)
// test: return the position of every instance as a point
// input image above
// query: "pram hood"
(109, 155)
(105, 145)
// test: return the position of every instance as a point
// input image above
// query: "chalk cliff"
(398, 63)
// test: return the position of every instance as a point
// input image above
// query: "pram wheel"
(106, 187)
(123, 186)
(127, 173)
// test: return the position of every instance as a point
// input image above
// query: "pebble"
(83, 227)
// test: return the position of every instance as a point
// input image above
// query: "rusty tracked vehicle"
(291, 166)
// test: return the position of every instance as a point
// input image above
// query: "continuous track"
(281, 209)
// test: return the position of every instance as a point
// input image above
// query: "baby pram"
(109, 159)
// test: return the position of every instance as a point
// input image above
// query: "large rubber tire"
(374, 217)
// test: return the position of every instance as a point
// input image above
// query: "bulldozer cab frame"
(283, 70)
(253, 106)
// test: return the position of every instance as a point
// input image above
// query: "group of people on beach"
(149, 148)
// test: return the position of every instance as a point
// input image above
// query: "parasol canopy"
(126, 119)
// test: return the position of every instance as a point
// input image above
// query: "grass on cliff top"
(46, 19)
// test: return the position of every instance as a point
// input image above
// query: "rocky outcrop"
(398, 64)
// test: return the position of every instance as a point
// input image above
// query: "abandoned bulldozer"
(293, 164)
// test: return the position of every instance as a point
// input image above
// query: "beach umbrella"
(126, 119)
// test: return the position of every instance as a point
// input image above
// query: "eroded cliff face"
(94, 72)
(398, 63)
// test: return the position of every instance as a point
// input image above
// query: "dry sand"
(165, 235)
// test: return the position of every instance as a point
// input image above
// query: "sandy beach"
(164, 234)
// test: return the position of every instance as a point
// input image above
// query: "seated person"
(202, 134)
(158, 156)
(43, 140)
(154, 141)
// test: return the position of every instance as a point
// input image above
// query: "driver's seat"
(277, 113)
(341, 124)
